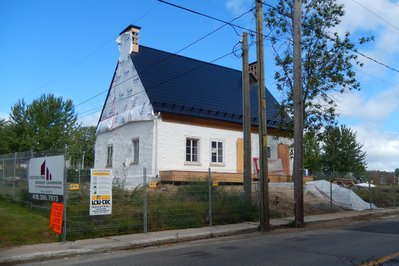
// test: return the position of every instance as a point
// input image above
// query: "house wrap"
(177, 117)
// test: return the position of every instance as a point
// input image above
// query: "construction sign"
(46, 178)
(101, 191)
(57, 213)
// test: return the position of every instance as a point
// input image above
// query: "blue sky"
(67, 47)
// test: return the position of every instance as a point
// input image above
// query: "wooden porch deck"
(237, 178)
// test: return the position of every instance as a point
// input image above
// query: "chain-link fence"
(144, 208)
(378, 192)
(14, 171)
(162, 207)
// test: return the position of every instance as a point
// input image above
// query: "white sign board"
(101, 191)
(46, 178)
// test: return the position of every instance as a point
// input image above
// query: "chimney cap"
(128, 28)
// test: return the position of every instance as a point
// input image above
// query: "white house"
(177, 117)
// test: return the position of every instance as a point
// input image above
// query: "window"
(192, 150)
(110, 151)
(135, 151)
(217, 151)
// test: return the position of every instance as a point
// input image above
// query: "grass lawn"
(21, 226)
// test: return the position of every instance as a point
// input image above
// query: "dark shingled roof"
(186, 86)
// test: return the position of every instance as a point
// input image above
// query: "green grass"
(381, 196)
(21, 226)
(183, 207)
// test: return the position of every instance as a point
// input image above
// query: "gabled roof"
(182, 85)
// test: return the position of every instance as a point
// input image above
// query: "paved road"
(352, 245)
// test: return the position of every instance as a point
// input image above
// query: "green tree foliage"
(48, 123)
(341, 152)
(397, 172)
(82, 144)
(6, 135)
(327, 58)
(312, 152)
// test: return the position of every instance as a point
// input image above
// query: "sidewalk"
(48, 251)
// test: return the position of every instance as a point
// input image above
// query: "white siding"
(172, 147)
(121, 139)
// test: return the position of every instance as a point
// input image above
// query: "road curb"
(128, 242)
(122, 245)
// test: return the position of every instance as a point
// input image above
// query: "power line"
(395, 3)
(90, 111)
(87, 56)
(374, 77)
(332, 39)
(173, 78)
(210, 17)
(166, 58)
(375, 14)
(374, 60)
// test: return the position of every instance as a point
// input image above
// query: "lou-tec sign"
(101, 191)
(46, 178)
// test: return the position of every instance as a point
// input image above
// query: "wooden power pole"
(246, 118)
(298, 116)
(263, 171)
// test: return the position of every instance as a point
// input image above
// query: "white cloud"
(378, 19)
(374, 113)
(374, 109)
(89, 120)
(382, 147)
(237, 7)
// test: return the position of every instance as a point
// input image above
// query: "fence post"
(370, 193)
(3, 171)
(210, 196)
(394, 192)
(13, 180)
(145, 201)
(331, 193)
(64, 233)
(30, 198)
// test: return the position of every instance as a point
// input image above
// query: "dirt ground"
(281, 197)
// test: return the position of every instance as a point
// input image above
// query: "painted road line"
(381, 260)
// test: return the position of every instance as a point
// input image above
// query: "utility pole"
(246, 118)
(263, 171)
(298, 116)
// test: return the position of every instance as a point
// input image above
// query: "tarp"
(342, 197)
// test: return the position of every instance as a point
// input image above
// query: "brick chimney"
(252, 70)
(134, 32)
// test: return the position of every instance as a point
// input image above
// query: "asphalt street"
(356, 244)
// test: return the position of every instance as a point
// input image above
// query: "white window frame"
(110, 155)
(216, 152)
(135, 151)
(191, 161)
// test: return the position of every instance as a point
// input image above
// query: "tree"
(45, 124)
(82, 144)
(312, 153)
(327, 58)
(5, 137)
(397, 172)
(341, 152)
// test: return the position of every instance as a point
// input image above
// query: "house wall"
(121, 139)
(127, 100)
(172, 146)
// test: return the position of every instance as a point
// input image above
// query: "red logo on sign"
(44, 171)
